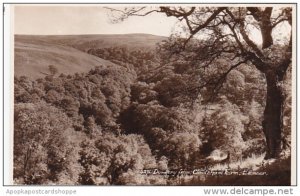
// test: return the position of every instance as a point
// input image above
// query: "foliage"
(225, 129)
(43, 150)
(117, 160)
(169, 109)
(139, 60)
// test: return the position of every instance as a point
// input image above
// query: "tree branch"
(249, 42)
(235, 36)
(131, 12)
(212, 17)
(173, 12)
(255, 12)
(217, 84)
(278, 22)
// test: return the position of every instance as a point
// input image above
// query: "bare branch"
(188, 23)
(216, 84)
(278, 22)
(256, 61)
(134, 11)
(235, 36)
(212, 17)
(250, 43)
(173, 12)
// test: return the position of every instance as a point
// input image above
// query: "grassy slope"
(32, 60)
(33, 54)
(85, 42)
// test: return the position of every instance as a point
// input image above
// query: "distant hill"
(34, 53)
(33, 59)
(86, 42)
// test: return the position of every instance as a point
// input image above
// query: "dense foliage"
(106, 126)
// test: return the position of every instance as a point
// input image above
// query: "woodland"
(207, 98)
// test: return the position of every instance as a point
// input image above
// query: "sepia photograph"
(153, 94)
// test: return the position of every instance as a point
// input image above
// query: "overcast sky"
(91, 19)
(94, 19)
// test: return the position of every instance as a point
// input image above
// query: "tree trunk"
(272, 123)
(266, 28)
(266, 33)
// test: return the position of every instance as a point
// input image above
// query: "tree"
(117, 160)
(53, 70)
(224, 35)
(43, 146)
(225, 129)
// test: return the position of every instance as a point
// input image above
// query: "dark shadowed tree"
(220, 39)
(53, 70)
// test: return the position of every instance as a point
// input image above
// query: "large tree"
(229, 33)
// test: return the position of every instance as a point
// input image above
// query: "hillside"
(33, 59)
(86, 42)
(33, 54)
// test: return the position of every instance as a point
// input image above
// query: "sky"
(64, 20)
(94, 19)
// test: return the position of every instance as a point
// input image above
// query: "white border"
(8, 95)
(115, 190)
(294, 102)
